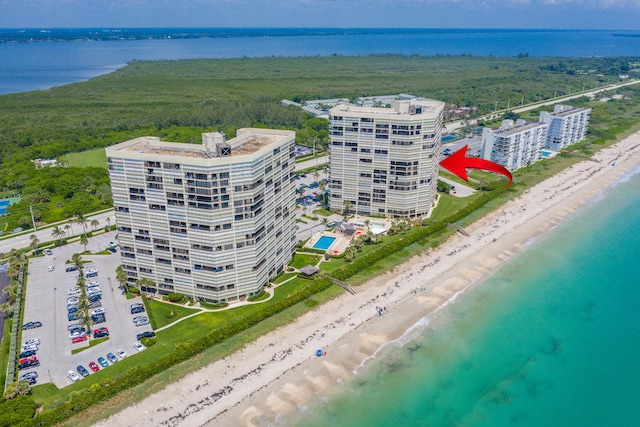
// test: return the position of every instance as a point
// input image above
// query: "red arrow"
(457, 164)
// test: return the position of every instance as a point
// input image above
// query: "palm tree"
(77, 260)
(34, 243)
(84, 240)
(108, 221)
(95, 223)
(121, 277)
(68, 229)
(325, 221)
(69, 223)
(57, 233)
(82, 221)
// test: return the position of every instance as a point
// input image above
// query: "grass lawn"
(300, 260)
(92, 343)
(448, 205)
(323, 212)
(4, 350)
(161, 312)
(83, 159)
(283, 276)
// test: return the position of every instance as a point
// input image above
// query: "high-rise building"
(514, 146)
(213, 222)
(384, 161)
(567, 125)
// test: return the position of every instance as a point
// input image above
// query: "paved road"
(449, 127)
(44, 234)
(311, 163)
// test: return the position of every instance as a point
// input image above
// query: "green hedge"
(371, 258)
(182, 352)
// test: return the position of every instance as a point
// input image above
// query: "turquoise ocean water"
(553, 339)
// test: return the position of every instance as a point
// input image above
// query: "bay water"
(40, 59)
(552, 339)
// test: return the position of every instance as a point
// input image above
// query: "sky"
(553, 14)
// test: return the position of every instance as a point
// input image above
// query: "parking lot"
(306, 230)
(46, 301)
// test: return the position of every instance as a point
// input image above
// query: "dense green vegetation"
(178, 100)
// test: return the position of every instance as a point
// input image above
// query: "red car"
(94, 367)
(78, 339)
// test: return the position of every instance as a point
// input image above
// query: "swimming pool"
(324, 242)
(448, 138)
(4, 204)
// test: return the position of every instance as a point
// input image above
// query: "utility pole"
(508, 103)
(522, 102)
(496, 107)
(33, 221)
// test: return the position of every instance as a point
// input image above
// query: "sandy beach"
(279, 373)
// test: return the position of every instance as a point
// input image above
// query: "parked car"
(78, 339)
(30, 347)
(145, 334)
(73, 376)
(28, 362)
(73, 300)
(98, 318)
(95, 297)
(94, 367)
(93, 284)
(100, 310)
(90, 275)
(138, 346)
(112, 250)
(48, 252)
(112, 357)
(95, 304)
(74, 291)
(51, 267)
(75, 316)
(77, 333)
(103, 362)
(27, 353)
(35, 341)
(101, 332)
(138, 318)
(32, 374)
(121, 353)
(141, 322)
(71, 268)
(137, 309)
(82, 371)
(74, 326)
(31, 325)
(447, 152)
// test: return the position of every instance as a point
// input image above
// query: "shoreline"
(279, 371)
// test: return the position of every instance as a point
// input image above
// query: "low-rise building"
(567, 125)
(514, 145)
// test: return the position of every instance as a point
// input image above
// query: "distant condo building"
(514, 145)
(384, 161)
(567, 125)
(213, 222)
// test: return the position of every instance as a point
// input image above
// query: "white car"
(73, 300)
(74, 291)
(29, 347)
(138, 346)
(121, 354)
(51, 267)
(73, 376)
(33, 341)
(99, 310)
(92, 284)
(48, 252)
(92, 270)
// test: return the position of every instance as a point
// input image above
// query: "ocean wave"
(412, 332)
(626, 176)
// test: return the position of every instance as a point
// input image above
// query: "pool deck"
(337, 247)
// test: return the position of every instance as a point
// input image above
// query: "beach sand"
(279, 372)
